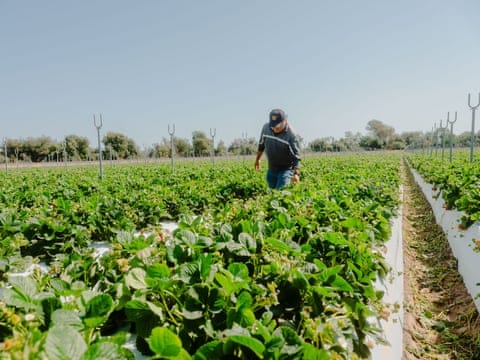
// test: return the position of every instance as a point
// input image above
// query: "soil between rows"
(440, 317)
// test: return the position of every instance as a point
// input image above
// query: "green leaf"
(311, 352)
(100, 305)
(67, 318)
(239, 270)
(141, 313)
(225, 283)
(248, 241)
(341, 284)
(205, 266)
(186, 236)
(64, 343)
(158, 271)
(249, 342)
(103, 351)
(98, 309)
(136, 279)
(165, 343)
(244, 300)
(14, 298)
(278, 245)
(209, 351)
(25, 286)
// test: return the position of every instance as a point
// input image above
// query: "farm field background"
(248, 273)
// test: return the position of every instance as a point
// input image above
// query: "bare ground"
(440, 318)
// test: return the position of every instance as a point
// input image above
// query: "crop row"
(248, 273)
(457, 181)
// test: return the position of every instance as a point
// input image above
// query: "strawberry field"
(248, 273)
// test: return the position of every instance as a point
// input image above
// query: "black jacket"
(282, 149)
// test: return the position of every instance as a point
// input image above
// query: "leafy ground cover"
(249, 273)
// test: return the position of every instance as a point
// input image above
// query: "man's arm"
(257, 160)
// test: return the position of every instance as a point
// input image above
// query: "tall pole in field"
(6, 155)
(193, 146)
(65, 153)
(472, 135)
(171, 132)
(451, 132)
(212, 134)
(431, 142)
(99, 126)
(244, 141)
(443, 135)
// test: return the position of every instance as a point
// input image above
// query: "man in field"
(283, 155)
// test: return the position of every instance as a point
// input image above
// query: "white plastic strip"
(393, 288)
(461, 241)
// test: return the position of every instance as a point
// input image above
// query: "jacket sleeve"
(261, 141)
(296, 150)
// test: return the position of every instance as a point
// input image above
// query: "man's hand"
(257, 165)
(295, 178)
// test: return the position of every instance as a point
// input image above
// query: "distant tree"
(161, 149)
(40, 149)
(352, 140)
(201, 143)
(221, 149)
(14, 149)
(77, 147)
(415, 139)
(243, 146)
(464, 139)
(122, 146)
(320, 145)
(384, 133)
(236, 146)
(182, 146)
(396, 143)
(370, 143)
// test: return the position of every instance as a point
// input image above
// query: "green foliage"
(249, 273)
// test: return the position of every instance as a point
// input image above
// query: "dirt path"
(440, 319)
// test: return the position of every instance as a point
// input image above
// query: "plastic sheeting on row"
(461, 241)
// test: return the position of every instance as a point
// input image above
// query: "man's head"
(278, 120)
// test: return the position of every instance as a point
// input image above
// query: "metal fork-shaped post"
(65, 153)
(99, 126)
(451, 132)
(171, 132)
(6, 155)
(244, 141)
(472, 135)
(443, 128)
(213, 132)
(432, 139)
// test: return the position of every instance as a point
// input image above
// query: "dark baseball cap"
(276, 117)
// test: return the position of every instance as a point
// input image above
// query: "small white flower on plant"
(29, 317)
(67, 299)
(342, 342)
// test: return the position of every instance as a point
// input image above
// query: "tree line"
(118, 146)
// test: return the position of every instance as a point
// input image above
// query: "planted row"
(282, 274)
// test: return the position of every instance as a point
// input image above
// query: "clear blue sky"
(332, 65)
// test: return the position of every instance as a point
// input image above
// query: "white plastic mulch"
(461, 241)
(393, 289)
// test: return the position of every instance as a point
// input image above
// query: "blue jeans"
(279, 179)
